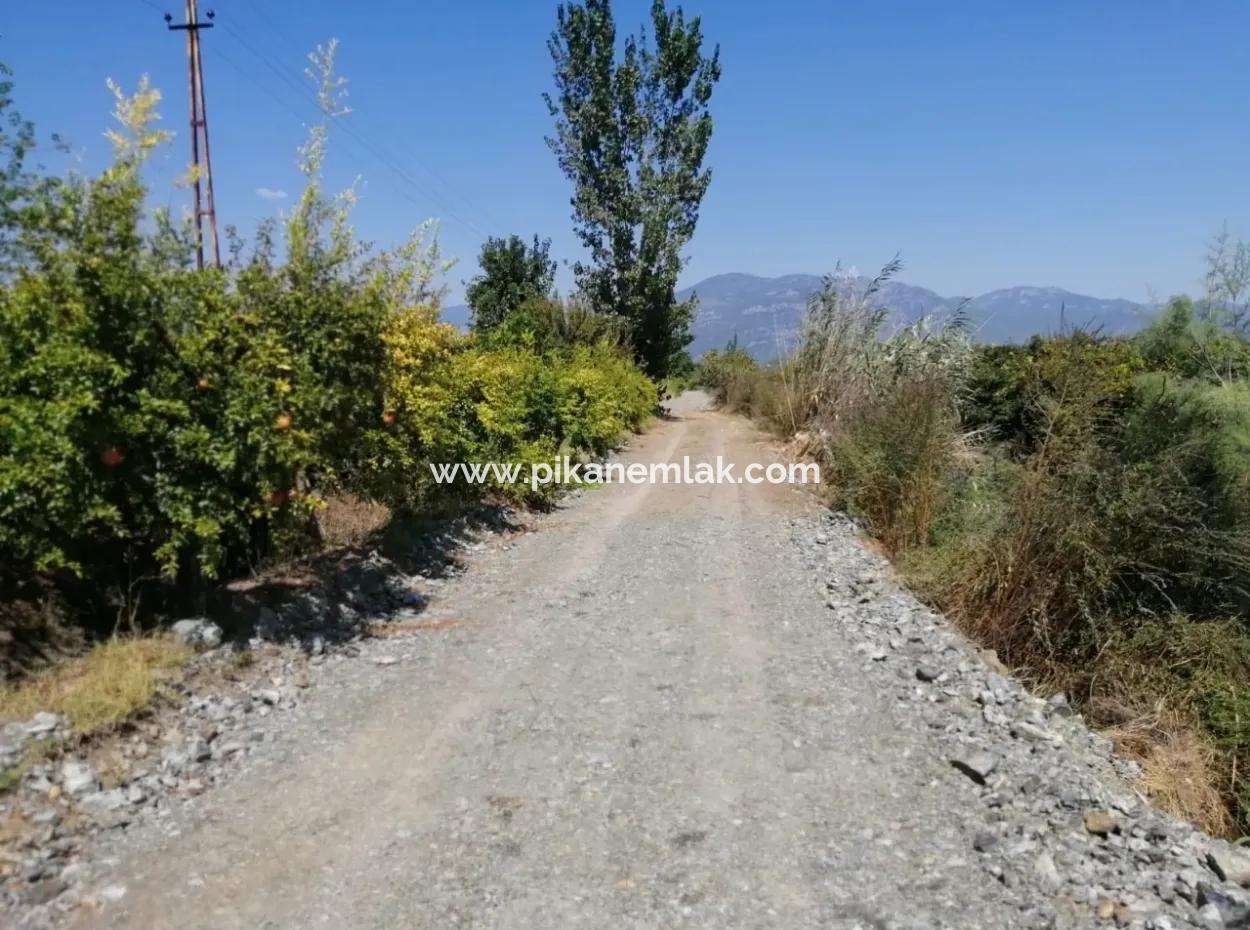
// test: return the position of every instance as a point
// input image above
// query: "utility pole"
(201, 170)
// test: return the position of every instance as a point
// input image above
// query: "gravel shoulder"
(668, 707)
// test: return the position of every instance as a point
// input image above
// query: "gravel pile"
(1057, 817)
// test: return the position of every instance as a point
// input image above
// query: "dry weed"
(104, 687)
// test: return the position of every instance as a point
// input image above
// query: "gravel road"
(646, 714)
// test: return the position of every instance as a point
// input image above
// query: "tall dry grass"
(1071, 504)
(880, 398)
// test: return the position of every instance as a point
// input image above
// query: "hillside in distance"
(765, 313)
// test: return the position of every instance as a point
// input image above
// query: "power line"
(407, 149)
(286, 105)
(296, 84)
(306, 95)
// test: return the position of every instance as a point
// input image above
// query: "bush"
(162, 424)
(1021, 395)
(1182, 676)
(154, 420)
(892, 458)
(1114, 547)
(1187, 343)
(600, 394)
(487, 398)
(719, 371)
(883, 405)
(544, 324)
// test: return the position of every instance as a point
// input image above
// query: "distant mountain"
(765, 313)
(457, 315)
(1017, 313)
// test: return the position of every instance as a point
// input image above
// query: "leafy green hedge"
(159, 422)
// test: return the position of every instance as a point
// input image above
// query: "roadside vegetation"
(103, 687)
(1079, 504)
(165, 429)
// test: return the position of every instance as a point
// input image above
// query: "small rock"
(197, 631)
(1058, 705)
(976, 766)
(73, 872)
(103, 800)
(198, 750)
(1046, 871)
(78, 778)
(1230, 864)
(107, 808)
(41, 892)
(1105, 909)
(42, 723)
(111, 893)
(872, 651)
(1101, 823)
(1024, 730)
(990, 658)
(384, 660)
(928, 672)
(984, 841)
(1231, 913)
(1210, 917)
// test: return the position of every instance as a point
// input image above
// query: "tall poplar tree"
(632, 131)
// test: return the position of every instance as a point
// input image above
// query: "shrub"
(544, 324)
(718, 368)
(884, 405)
(1175, 495)
(1112, 551)
(154, 420)
(1023, 395)
(162, 423)
(892, 459)
(1186, 342)
(600, 394)
(1180, 677)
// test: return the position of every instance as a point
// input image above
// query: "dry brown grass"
(1183, 772)
(106, 686)
(347, 520)
(409, 627)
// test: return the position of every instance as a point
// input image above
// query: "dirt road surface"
(640, 716)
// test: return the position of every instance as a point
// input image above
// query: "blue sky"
(1089, 144)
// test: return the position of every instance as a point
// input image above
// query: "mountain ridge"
(765, 313)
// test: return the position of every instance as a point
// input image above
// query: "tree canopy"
(512, 273)
(632, 131)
